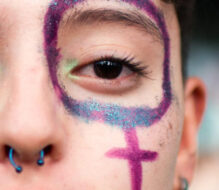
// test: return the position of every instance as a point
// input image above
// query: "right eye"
(110, 68)
(107, 69)
(105, 74)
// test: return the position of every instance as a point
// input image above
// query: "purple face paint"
(124, 117)
(127, 118)
(134, 156)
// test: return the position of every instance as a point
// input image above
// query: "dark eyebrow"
(127, 18)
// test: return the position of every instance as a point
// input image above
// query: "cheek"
(164, 137)
(88, 143)
(86, 162)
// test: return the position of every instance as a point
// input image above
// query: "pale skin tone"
(32, 116)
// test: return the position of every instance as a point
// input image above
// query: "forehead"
(23, 10)
(35, 5)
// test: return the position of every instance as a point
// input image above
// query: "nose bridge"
(28, 114)
(27, 102)
(31, 118)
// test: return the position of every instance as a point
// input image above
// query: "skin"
(33, 114)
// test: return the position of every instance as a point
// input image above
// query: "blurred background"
(204, 62)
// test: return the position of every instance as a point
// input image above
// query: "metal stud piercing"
(18, 169)
(185, 184)
(40, 162)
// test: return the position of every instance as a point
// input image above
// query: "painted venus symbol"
(126, 118)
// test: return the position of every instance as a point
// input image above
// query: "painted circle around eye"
(107, 69)
(52, 21)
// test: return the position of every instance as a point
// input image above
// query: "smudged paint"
(68, 65)
(127, 118)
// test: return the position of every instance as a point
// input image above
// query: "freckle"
(170, 126)
(169, 130)
(161, 143)
(115, 176)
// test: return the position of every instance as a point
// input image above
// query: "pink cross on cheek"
(134, 155)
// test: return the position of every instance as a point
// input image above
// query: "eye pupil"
(107, 69)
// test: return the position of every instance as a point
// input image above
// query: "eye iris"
(107, 69)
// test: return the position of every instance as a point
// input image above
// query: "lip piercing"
(18, 169)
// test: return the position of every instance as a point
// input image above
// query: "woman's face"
(97, 85)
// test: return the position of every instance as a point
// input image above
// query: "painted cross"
(134, 155)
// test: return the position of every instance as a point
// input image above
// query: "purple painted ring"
(124, 117)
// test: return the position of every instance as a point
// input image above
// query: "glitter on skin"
(127, 118)
(111, 114)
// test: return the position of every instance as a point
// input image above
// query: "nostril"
(6, 150)
(48, 150)
(10, 152)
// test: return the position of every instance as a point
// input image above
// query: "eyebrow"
(103, 15)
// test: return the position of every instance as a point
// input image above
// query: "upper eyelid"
(128, 62)
(126, 18)
(104, 51)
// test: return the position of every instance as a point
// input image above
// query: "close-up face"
(92, 96)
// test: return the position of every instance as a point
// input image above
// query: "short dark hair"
(184, 10)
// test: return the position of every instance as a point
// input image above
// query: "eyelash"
(127, 61)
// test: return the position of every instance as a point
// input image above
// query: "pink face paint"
(127, 118)
(134, 155)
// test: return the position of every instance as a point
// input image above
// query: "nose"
(30, 122)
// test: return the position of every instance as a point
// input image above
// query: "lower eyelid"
(106, 86)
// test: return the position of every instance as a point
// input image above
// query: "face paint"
(134, 156)
(124, 117)
(127, 118)
(68, 66)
